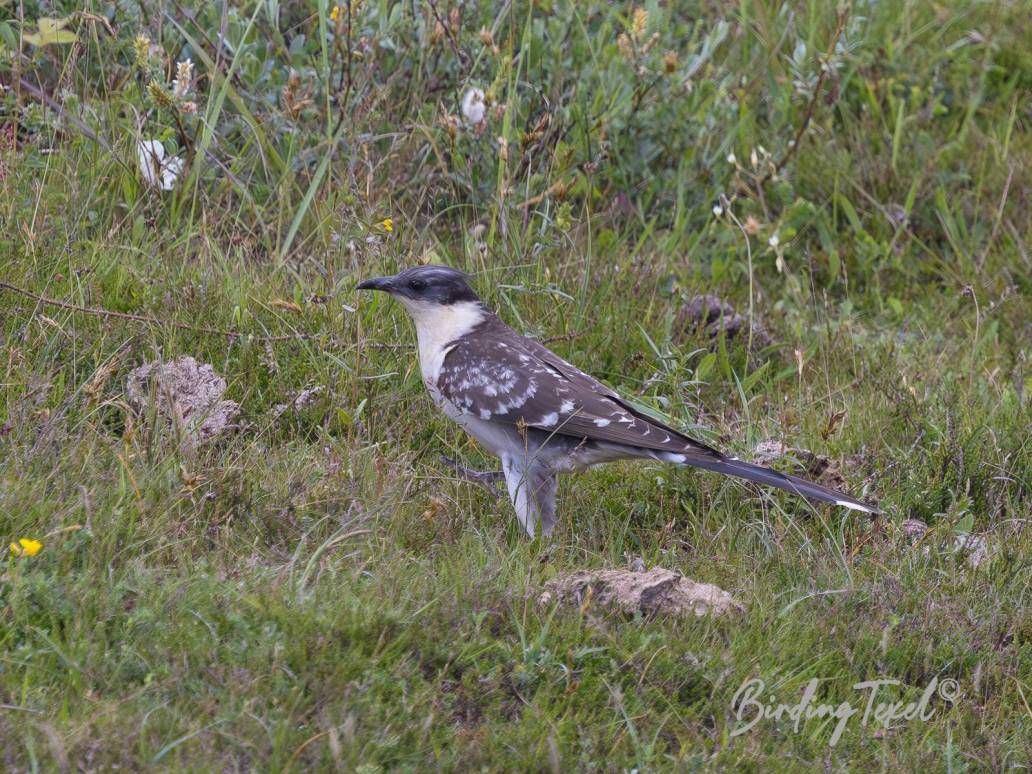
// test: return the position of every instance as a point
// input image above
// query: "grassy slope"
(319, 590)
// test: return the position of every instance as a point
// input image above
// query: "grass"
(317, 590)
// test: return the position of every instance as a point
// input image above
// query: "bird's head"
(424, 288)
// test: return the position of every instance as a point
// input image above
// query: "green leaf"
(51, 31)
(8, 38)
(965, 524)
(705, 366)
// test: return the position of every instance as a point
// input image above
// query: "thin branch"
(461, 55)
(840, 25)
(157, 322)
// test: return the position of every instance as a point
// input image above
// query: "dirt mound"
(187, 393)
(654, 592)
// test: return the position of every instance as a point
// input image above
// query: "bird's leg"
(485, 478)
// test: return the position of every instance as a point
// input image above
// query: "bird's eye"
(417, 284)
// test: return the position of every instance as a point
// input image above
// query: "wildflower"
(156, 170)
(718, 211)
(752, 226)
(184, 76)
(387, 224)
(639, 22)
(189, 107)
(731, 159)
(473, 106)
(774, 240)
(26, 547)
(670, 61)
(335, 13)
(754, 159)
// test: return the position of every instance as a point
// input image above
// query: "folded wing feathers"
(504, 377)
(523, 381)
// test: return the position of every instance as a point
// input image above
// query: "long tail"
(761, 475)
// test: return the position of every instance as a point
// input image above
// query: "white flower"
(754, 159)
(774, 240)
(731, 158)
(156, 170)
(718, 210)
(473, 106)
(184, 76)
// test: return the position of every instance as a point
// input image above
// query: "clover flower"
(473, 106)
(156, 170)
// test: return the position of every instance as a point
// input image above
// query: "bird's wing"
(507, 378)
(514, 380)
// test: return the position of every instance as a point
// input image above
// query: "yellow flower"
(26, 547)
(387, 224)
(335, 13)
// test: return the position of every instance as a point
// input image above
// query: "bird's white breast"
(437, 325)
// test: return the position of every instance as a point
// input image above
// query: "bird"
(539, 414)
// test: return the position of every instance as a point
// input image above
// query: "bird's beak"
(386, 284)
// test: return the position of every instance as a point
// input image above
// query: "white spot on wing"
(854, 506)
(567, 407)
(601, 422)
(549, 420)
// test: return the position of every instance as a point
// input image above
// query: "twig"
(538, 198)
(726, 204)
(54, 105)
(840, 25)
(459, 53)
(157, 322)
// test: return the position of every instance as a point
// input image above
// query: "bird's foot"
(485, 478)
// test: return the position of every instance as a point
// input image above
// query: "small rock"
(915, 529)
(187, 393)
(658, 591)
(302, 400)
(975, 546)
(711, 315)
